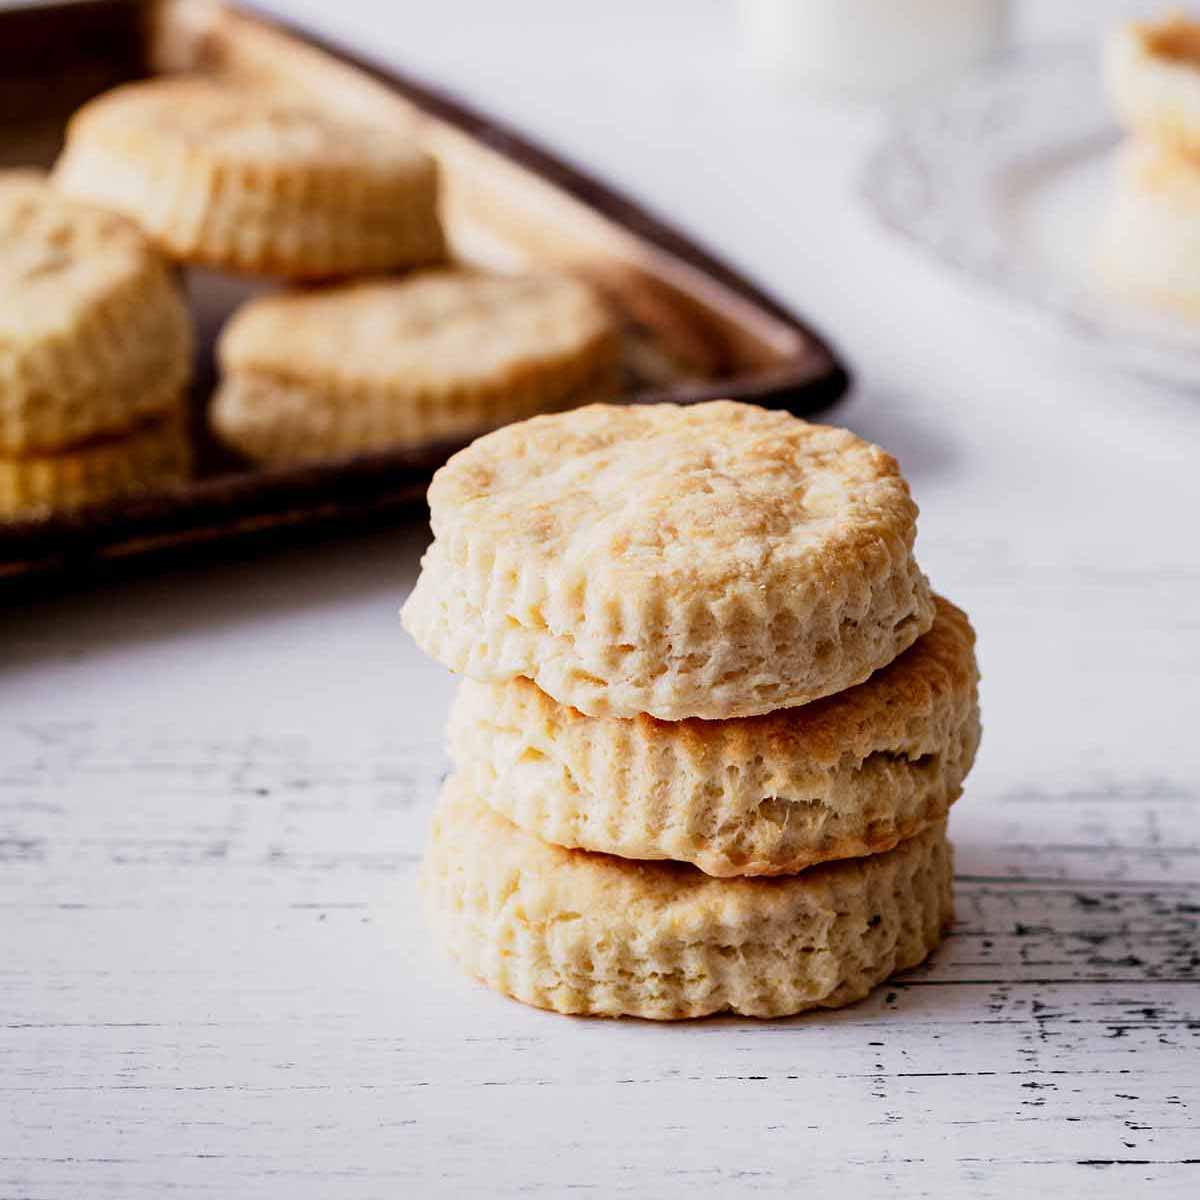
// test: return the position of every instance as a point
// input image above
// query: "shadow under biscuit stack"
(713, 718)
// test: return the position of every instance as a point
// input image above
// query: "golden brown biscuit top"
(58, 256)
(234, 123)
(720, 488)
(447, 326)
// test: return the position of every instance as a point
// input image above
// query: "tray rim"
(204, 509)
(576, 181)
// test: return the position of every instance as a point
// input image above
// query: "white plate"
(1004, 176)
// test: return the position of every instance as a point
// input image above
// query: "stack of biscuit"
(1150, 244)
(94, 355)
(712, 722)
(246, 181)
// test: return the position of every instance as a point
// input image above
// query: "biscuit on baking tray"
(1154, 80)
(717, 560)
(155, 455)
(94, 335)
(438, 355)
(1149, 244)
(588, 933)
(849, 775)
(240, 180)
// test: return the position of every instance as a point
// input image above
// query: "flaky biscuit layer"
(849, 775)
(246, 181)
(438, 355)
(587, 933)
(1153, 71)
(711, 561)
(153, 456)
(94, 335)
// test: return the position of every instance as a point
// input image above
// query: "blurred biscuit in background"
(95, 355)
(1149, 243)
(94, 335)
(240, 180)
(151, 457)
(1153, 71)
(437, 355)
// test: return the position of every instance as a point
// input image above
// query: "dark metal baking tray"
(694, 328)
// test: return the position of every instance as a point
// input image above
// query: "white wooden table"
(214, 785)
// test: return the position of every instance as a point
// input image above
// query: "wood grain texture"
(214, 974)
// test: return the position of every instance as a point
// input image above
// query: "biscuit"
(713, 561)
(242, 180)
(94, 335)
(849, 775)
(586, 933)
(1153, 71)
(154, 456)
(443, 354)
(1149, 243)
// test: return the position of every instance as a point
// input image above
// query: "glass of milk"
(870, 48)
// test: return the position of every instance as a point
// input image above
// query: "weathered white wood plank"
(218, 947)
